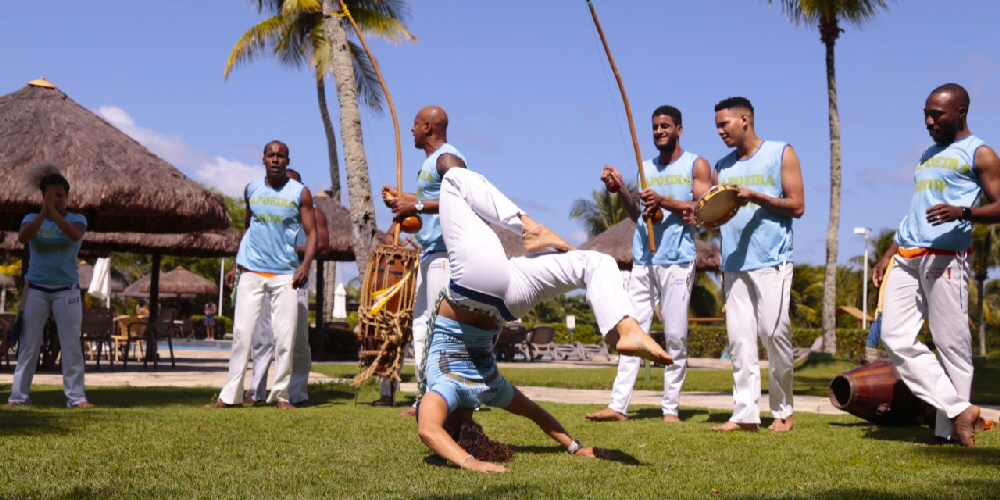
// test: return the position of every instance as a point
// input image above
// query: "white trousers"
(432, 277)
(478, 261)
(251, 293)
(262, 353)
(936, 288)
(757, 306)
(670, 287)
(67, 310)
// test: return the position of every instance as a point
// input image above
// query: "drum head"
(717, 206)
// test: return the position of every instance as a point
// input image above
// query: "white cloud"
(225, 174)
(577, 237)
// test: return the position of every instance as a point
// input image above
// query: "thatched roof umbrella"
(86, 272)
(617, 242)
(513, 244)
(178, 282)
(223, 243)
(116, 182)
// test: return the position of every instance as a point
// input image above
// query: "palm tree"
(601, 211)
(827, 16)
(986, 245)
(294, 35)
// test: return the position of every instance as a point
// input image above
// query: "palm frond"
(369, 88)
(257, 42)
(855, 12)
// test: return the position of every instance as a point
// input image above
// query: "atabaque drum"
(875, 393)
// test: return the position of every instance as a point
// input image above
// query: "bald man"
(931, 271)
(430, 134)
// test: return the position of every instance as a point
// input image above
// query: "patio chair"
(589, 351)
(97, 327)
(502, 346)
(6, 323)
(564, 351)
(162, 328)
(540, 342)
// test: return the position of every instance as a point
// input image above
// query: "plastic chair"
(162, 328)
(541, 343)
(6, 323)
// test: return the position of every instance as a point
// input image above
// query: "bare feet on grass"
(409, 412)
(478, 466)
(592, 452)
(538, 238)
(633, 341)
(736, 426)
(965, 424)
(671, 419)
(782, 424)
(606, 415)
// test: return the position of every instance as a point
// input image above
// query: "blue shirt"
(53, 254)
(945, 174)
(429, 188)
(269, 243)
(755, 238)
(674, 240)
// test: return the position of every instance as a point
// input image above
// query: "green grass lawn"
(811, 378)
(160, 443)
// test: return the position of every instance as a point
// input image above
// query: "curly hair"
(471, 437)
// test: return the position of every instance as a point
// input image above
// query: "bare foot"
(538, 238)
(735, 426)
(671, 419)
(634, 342)
(476, 465)
(15, 405)
(782, 424)
(965, 426)
(285, 405)
(409, 412)
(592, 452)
(606, 415)
(985, 424)
(85, 404)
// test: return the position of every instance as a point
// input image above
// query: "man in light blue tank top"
(931, 271)
(430, 134)
(263, 336)
(757, 263)
(277, 208)
(676, 178)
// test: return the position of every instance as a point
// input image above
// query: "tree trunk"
(331, 139)
(359, 189)
(830, 276)
(981, 275)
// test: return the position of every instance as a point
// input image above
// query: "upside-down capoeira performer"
(459, 371)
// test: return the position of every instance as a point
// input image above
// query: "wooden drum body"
(385, 310)
(875, 393)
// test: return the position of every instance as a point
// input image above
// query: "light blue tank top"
(53, 254)
(269, 243)
(429, 188)
(675, 241)
(945, 174)
(755, 237)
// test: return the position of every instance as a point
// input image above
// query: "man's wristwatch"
(419, 206)
(966, 213)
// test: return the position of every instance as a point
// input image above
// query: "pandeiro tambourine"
(717, 206)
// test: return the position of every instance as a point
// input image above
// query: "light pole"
(864, 283)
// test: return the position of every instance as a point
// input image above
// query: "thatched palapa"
(338, 224)
(617, 242)
(86, 272)
(196, 244)
(115, 181)
(178, 282)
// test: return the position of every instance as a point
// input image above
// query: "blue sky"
(532, 101)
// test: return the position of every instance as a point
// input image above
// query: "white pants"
(432, 277)
(478, 261)
(67, 310)
(935, 287)
(262, 353)
(670, 287)
(253, 290)
(757, 306)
